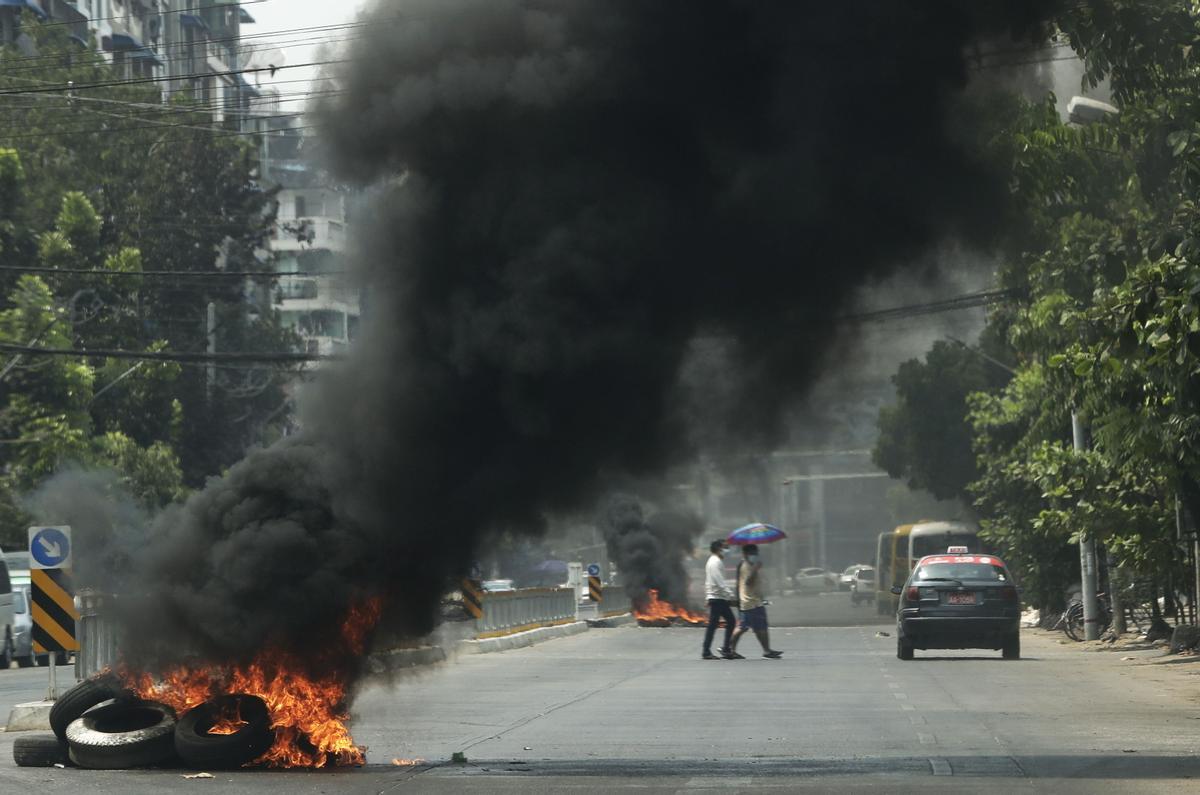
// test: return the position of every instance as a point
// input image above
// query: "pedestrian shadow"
(975, 658)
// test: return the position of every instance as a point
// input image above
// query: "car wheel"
(28, 661)
(904, 649)
(199, 749)
(81, 698)
(123, 734)
(39, 750)
(1012, 648)
(6, 653)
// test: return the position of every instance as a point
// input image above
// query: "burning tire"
(39, 750)
(245, 735)
(123, 734)
(81, 698)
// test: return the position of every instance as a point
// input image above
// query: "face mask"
(752, 558)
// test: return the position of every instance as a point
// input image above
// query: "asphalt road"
(634, 708)
(22, 685)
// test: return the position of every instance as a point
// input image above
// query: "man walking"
(719, 594)
(750, 601)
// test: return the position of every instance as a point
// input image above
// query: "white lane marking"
(927, 739)
(916, 720)
(901, 696)
(908, 707)
(941, 767)
(893, 685)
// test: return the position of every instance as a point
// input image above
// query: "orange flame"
(307, 713)
(657, 610)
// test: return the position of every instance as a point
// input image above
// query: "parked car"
(813, 580)
(862, 588)
(498, 585)
(846, 578)
(959, 601)
(23, 633)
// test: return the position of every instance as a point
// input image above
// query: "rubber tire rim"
(80, 699)
(199, 749)
(144, 746)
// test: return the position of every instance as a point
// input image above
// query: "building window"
(301, 207)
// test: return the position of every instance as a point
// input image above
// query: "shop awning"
(32, 5)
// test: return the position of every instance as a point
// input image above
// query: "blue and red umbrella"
(756, 533)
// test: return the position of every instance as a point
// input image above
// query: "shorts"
(755, 618)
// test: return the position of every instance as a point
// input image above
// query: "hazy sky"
(299, 44)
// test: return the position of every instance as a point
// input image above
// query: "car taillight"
(1008, 593)
(913, 594)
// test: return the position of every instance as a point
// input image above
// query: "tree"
(924, 438)
(167, 183)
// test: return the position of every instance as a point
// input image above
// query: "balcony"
(302, 234)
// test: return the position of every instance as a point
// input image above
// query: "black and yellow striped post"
(54, 613)
(472, 591)
(595, 589)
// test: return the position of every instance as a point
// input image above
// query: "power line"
(958, 302)
(150, 80)
(162, 273)
(170, 356)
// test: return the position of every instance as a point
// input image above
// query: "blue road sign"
(50, 547)
(593, 569)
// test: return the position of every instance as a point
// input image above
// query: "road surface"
(633, 708)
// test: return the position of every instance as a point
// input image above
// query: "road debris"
(882, 634)
(200, 775)
(407, 762)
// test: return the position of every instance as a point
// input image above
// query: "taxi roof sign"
(956, 551)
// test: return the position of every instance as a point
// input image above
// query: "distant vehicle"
(863, 587)
(813, 580)
(7, 631)
(23, 632)
(498, 585)
(846, 578)
(959, 601)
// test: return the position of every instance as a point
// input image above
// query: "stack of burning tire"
(100, 725)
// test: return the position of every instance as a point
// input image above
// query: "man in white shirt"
(719, 594)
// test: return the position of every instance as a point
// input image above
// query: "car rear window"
(962, 571)
(866, 574)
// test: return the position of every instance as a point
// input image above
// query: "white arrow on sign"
(54, 549)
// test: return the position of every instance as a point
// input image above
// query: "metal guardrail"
(97, 635)
(507, 612)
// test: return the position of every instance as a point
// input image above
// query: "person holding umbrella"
(750, 582)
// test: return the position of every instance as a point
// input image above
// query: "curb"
(520, 639)
(33, 716)
(401, 659)
(612, 621)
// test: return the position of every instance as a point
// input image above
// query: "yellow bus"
(898, 551)
(891, 562)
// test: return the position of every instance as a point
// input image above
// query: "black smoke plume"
(649, 552)
(563, 195)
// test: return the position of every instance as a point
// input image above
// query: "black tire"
(123, 734)
(1011, 650)
(39, 750)
(6, 652)
(904, 649)
(27, 661)
(62, 658)
(199, 749)
(81, 698)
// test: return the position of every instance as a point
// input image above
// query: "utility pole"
(1087, 551)
(211, 370)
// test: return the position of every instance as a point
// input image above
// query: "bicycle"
(1072, 622)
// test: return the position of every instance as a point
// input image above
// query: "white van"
(6, 616)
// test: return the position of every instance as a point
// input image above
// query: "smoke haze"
(649, 552)
(564, 196)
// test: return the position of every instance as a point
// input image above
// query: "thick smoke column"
(649, 552)
(563, 196)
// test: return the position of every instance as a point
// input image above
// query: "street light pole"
(1087, 551)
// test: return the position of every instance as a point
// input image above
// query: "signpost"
(595, 590)
(52, 596)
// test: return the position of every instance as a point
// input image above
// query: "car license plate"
(960, 598)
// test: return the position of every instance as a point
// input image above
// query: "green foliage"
(924, 437)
